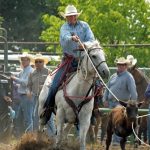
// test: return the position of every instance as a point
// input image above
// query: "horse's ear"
(123, 103)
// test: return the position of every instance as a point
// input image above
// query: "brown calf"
(120, 121)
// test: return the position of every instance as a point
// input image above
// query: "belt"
(22, 94)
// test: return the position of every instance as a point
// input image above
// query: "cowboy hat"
(25, 55)
(70, 11)
(132, 60)
(122, 60)
(41, 57)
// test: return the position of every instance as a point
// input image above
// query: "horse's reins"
(95, 67)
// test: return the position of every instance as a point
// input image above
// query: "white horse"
(75, 92)
(69, 100)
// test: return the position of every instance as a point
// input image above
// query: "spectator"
(35, 84)
(25, 111)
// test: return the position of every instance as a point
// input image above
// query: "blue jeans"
(35, 112)
(51, 127)
(58, 79)
(25, 115)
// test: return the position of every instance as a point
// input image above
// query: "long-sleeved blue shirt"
(81, 29)
(122, 86)
(22, 80)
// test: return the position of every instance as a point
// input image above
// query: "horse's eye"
(93, 56)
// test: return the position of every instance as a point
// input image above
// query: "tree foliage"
(112, 21)
(22, 19)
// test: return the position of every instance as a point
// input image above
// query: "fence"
(139, 51)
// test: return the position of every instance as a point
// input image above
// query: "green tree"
(22, 19)
(112, 21)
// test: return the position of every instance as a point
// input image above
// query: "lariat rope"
(110, 90)
(136, 133)
(97, 71)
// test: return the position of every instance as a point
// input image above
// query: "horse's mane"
(93, 44)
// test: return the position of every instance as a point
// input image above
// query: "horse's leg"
(135, 138)
(109, 135)
(84, 126)
(96, 129)
(67, 130)
(91, 133)
(104, 122)
(144, 126)
(122, 143)
(140, 133)
(60, 123)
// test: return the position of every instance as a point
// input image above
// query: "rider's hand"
(75, 38)
(81, 46)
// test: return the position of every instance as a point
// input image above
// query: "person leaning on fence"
(25, 112)
(35, 84)
(122, 85)
(70, 33)
(147, 100)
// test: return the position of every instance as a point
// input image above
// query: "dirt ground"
(89, 147)
(42, 142)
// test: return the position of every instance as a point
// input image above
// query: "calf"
(120, 121)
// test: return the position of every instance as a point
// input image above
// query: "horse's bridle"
(89, 50)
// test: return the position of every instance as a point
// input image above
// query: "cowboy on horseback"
(70, 33)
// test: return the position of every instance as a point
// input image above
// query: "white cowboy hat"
(122, 60)
(132, 60)
(70, 11)
(41, 57)
(26, 55)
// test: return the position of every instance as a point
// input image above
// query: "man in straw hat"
(70, 33)
(35, 84)
(25, 111)
(122, 85)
